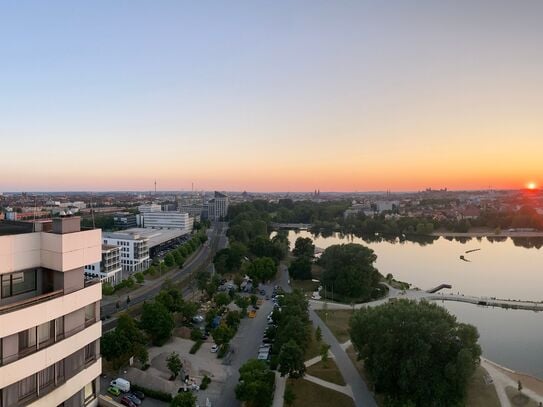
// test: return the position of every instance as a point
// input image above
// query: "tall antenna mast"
(155, 186)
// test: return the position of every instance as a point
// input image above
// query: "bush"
(223, 350)
(205, 382)
(196, 346)
(195, 335)
(155, 394)
(139, 277)
(107, 289)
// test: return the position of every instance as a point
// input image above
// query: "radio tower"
(155, 186)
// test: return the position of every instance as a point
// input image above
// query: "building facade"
(50, 324)
(168, 220)
(134, 250)
(124, 220)
(109, 269)
(218, 207)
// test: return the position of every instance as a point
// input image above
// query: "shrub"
(155, 394)
(196, 346)
(223, 350)
(205, 382)
(195, 335)
(139, 277)
(107, 289)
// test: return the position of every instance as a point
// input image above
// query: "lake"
(504, 269)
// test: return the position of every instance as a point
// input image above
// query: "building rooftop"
(155, 236)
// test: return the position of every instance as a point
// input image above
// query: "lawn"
(338, 322)
(330, 372)
(480, 393)
(312, 395)
(306, 286)
(313, 348)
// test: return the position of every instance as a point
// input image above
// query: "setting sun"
(531, 185)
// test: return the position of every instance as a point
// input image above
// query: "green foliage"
(169, 260)
(289, 396)
(139, 277)
(291, 360)
(157, 322)
(223, 350)
(233, 319)
(300, 269)
(196, 345)
(222, 299)
(125, 341)
(416, 353)
(205, 382)
(318, 334)
(107, 289)
(324, 353)
(195, 334)
(174, 364)
(256, 383)
(349, 271)
(184, 399)
(304, 247)
(229, 260)
(243, 303)
(155, 394)
(222, 334)
(261, 269)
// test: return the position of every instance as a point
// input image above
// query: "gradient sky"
(266, 95)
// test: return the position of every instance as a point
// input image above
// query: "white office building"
(168, 220)
(149, 208)
(109, 269)
(134, 250)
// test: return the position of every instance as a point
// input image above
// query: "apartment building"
(50, 324)
(109, 269)
(134, 250)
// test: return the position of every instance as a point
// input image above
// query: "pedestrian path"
(280, 384)
(332, 386)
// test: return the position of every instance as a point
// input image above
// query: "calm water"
(502, 269)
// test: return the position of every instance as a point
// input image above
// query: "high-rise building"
(49, 316)
(218, 207)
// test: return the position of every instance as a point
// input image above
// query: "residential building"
(49, 316)
(133, 247)
(218, 207)
(109, 269)
(124, 220)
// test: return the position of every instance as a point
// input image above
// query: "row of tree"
(304, 252)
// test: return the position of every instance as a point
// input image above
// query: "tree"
(222, 335)
(139, 277)
(348, 269)
(256, 382)
(169, 260)
(254, 300)
(125, 341)
(324, 353)
(261, 269)
(318, 334)
(174, 364)
(222, 299)
(416, 353)
(157, 321)
(243, 303)
(291, 360)
(184, 399)
(300, 269)
(304, 247)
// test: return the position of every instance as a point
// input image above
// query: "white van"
(122, 384)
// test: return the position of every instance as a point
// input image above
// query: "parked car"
(134, 399)
(251, 314)
(113, 390)
(214, 348)
(262, 292)
(122, 384)
(125, 401)
(139, 394)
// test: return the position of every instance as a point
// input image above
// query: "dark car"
(126, 401)
(262, 292)
(139, 394)
(134, 398)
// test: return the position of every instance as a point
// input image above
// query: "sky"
(270, 96)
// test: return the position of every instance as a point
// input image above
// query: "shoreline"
(529, 382)
(488, 234)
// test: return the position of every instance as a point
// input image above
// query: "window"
(90, 351)
(27, 387)
(89, 392)
(27, 340)
(46, 332)
(59, 367)
(90, 313)
(46, 377)
(18, 283)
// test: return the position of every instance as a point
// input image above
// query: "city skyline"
(259, 97)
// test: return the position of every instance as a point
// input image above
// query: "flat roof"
(155, 236)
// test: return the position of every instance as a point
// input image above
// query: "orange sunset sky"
(256, 96)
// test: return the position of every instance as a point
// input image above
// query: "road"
(216, 240)
(245, 344)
